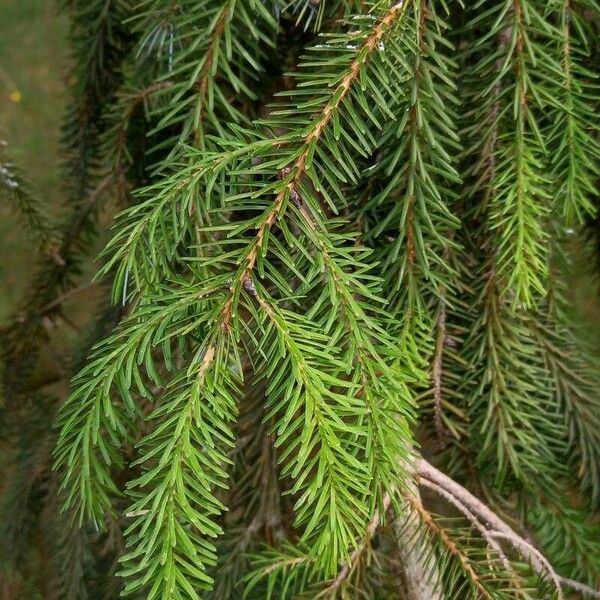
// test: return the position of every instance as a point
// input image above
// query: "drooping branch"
(298, 169)
(208, 68)
(489, 525)
(495, 526)
(24, 202)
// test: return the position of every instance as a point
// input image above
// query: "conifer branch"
(576, 385)
(295, 282)
(567, 537)
(495, 525)
(20, 198)
(449, 544)
(511, 96)
(209, 79)
(502, 402)
(209, 66)
(346, 570)
(324, 421)
(575, 150)
(472, 518)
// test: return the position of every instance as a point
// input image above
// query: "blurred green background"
(33, 67)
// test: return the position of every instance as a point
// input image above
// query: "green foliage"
(208, 77)
(573, 145)
(568, 536)
(340, 242)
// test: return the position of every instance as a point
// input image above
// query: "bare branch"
(532, 554)
(495, 526)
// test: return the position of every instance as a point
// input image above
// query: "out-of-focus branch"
(420, 578)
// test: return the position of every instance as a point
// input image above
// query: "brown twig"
(485, 534)
(298, 168)
(449, 543)
(66, 296)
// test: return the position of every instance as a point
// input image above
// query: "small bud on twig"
(249, 286)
